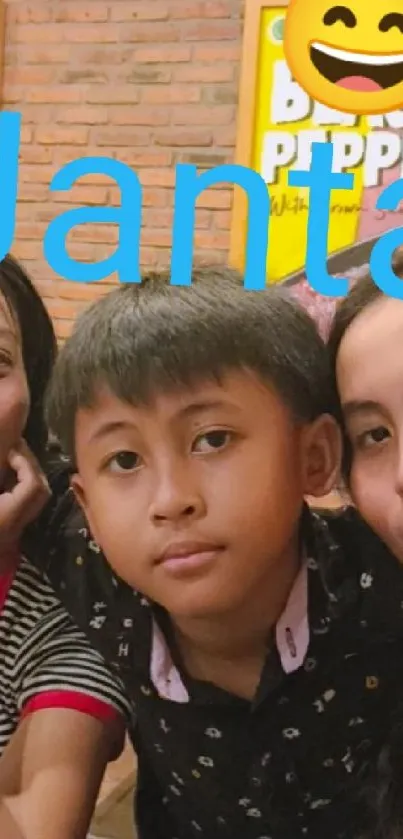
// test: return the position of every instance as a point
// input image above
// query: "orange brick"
(27, 250)
(225, 135)
(36, 174)
(31, 33)
(121, 137)
(81, 194)
(156, 238)
(45, 54)
(162, 55)
(158, 177)
(156, 197)
(65, 154)
(77, 12)
(222, 220)
(183, 10)
(140, 115)
(82, 291)
(203, 115)
(173, 137)
(204, 73)
(211, 241)
(62, 310)
(113, 94)
(84, 75)
(85, 33)
(62, 135)
(33, 193)
(219, 30)
(35, 154)
(59, 95)
(104, 233)
(28, 13)
(28, 75)
(38, 114)
(84, 115)
(26, 134)
(124, 11)
(141, 74)
(212, 52)
(138, 159)
(148, 257)
(174, 94)
(149, 33)
(31, 231)
(215, 199)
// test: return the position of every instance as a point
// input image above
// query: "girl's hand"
(24, 497)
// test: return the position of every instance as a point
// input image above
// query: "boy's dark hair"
(362, 294)
(39, 345)
(142, 338)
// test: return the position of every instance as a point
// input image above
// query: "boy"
(263, 662)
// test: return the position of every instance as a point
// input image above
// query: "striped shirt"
(45, 661)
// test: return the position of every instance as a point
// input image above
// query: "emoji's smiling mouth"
(357, 70)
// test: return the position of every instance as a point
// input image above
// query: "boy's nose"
(176, 499)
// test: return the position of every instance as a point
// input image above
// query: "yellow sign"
(283, 124)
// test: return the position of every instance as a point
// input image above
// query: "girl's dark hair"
(362, 294)
(384, 794)
(39, 345)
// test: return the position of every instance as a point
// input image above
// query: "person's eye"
(212, 441)
(124, 461)
(373, 437)
(6, 359)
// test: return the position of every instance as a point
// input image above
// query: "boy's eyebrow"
(202, 405)
(109, 428)
(355, 406)
(188, 410)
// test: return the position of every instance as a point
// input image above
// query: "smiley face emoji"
(348, 57)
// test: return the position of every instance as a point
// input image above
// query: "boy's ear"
(322, 456)
(79, 492)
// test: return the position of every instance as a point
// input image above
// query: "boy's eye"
(212, 441)
(124, 461)
(374, 437)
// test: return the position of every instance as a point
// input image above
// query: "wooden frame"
(246, 118)
(2, 43)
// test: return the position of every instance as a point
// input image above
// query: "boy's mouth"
(188, 557)
(362, 72)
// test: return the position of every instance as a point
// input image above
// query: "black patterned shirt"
(293, 762)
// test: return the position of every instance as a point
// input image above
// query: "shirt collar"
(314, 600)
(291, 634)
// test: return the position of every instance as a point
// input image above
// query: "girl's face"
(370, 380)
(14, 392)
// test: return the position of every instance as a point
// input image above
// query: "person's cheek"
(14, 407)
(370, 492)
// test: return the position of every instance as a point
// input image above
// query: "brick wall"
(150, 82)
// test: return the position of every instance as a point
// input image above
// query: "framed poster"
(277, 124)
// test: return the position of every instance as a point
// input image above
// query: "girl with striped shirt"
(62, 714)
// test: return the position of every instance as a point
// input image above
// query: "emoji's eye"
(391, 20)
(340, 13)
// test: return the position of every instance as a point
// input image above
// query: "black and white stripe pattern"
(41, 651)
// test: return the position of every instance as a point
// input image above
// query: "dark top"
(292, 763)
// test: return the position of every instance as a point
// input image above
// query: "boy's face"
(370, 381)
(196, 498)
